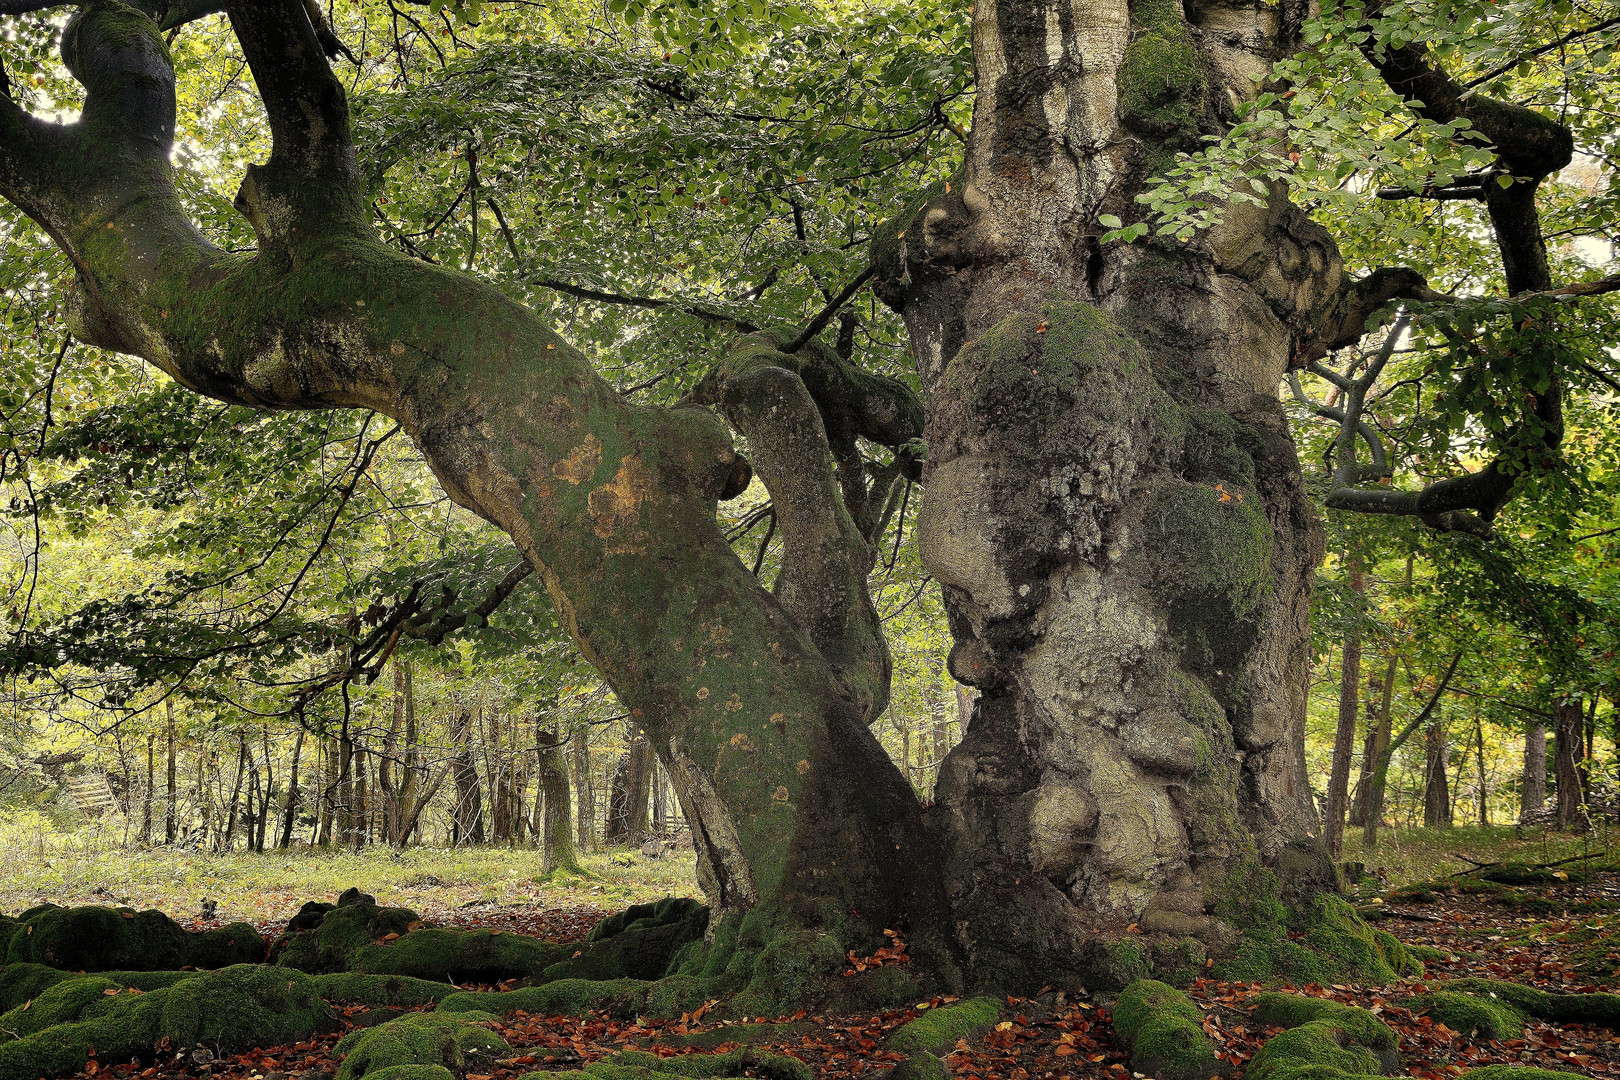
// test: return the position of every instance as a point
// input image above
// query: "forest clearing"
(911, 539)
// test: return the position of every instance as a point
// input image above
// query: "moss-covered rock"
(1357, 1026)
(95, 938)
(920, 1066)
(227, 1010)
(1164, 1032)
(461, 956)
(566, 997)
(354, 922)
(1516, 1072)
(1471, 1014)
(62, 1003)
(447, 1040)
(637, 943)
(411, 1072)
(1601, 1010)
(354, 988)
(937, 1030)
(639, 1065)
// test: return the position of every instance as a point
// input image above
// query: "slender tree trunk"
(362, 803)
(229, 839)
(627, 801)
(1569, 740)
(556, 845)
(1479, 760)
(1344, 736)
(169, 821)
(410, 778)
(467, 820)
(584, 796)
(289, 813)
(1436, 787)
(146, 801)
(1533, 786)
(329, 789)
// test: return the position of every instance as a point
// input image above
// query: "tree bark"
(1114, 503)
(1479, 761)
(1344, 736)
(1533, 785)
(584, 796)
(556, 845)
(1436, 786)
(1569, 742)
(146, 800)
(169, 818)
(627, 798)
(289, 813)
(467, 819)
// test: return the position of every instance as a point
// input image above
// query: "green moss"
(639, 1065)
(1515, 1072)
(937, 1030)
(1357, 1026)
(640, 942)
(920, 1066)
(1162, 81)
(1210, 545)
(1164, 1031)
(1310, 1052)
(1470, 1014)
(1321, 939)
(566, 997)
(352, 988)
(95, 938)
(241, 1006)
(60, 1004)
(447, 1040)
(227, 1010)
(460, 956)
(1602, 1010)
(355, 922)
(411, 1072)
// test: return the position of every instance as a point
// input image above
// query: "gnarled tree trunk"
(1114, 504)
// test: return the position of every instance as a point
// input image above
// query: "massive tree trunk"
(1114, 504)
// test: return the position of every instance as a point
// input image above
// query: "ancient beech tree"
(1113, 505)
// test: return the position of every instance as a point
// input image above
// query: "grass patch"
(1405, 856)
(270, 887)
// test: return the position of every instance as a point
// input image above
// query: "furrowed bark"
(613, 504)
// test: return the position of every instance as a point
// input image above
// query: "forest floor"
(1552, 935)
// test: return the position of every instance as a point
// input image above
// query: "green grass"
(70, 870)
(1404, 856)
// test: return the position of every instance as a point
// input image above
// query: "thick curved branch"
(765, 395)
